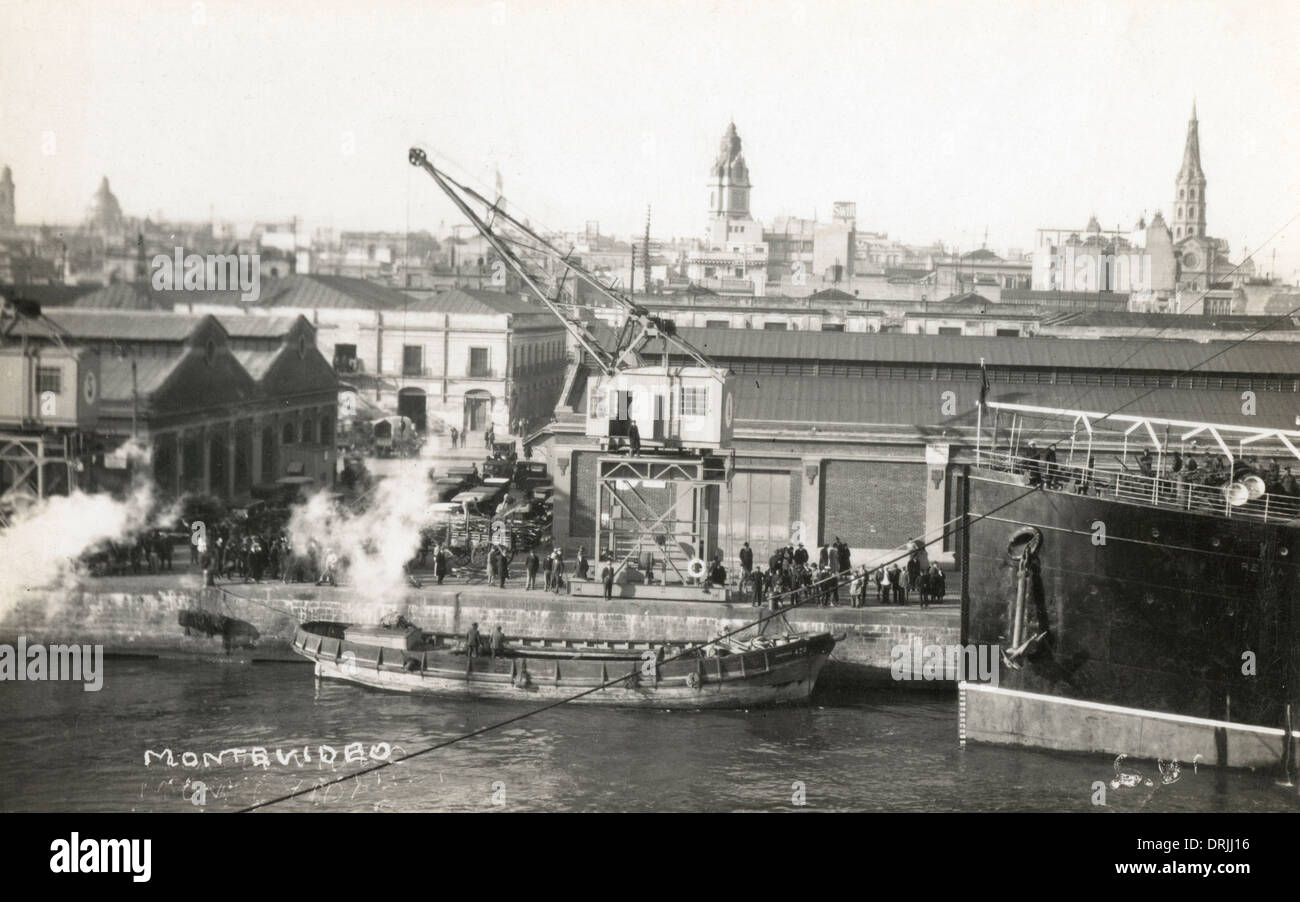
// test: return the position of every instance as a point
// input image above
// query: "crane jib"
(640, 328)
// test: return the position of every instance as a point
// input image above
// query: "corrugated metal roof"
(467, 300)
(135, 325)
(770, 401)
(1176, 321)
(948, 350)
(150, 374)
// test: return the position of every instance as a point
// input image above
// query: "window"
(412, 360)
(1009, 333)
(287, 436)
(950, 330)
(1180, 194)
(695, 402)
(345, 358)
(774, 327)
(326, 431)
(1193, 194)
(832, 327)
(478, 363)
(49, 379)
(717, 324)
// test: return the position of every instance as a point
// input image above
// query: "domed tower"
(729, 179)
(105, 214)
(1189, 194)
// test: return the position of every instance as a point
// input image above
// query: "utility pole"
(647, 249)
(135, 398)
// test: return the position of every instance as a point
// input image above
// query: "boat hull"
(784, 674)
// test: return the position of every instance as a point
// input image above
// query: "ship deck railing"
(1164, 491)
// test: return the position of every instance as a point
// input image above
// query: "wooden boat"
(740, 674)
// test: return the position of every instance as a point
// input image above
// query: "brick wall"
(582, 495)
(872, 504)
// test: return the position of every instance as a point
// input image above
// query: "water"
(64, 749)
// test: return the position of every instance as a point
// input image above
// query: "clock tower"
(1189, 194)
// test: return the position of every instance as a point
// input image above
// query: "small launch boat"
(729, 674)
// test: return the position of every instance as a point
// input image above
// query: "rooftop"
(1098, 354)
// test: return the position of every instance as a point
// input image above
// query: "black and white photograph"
(507, 407)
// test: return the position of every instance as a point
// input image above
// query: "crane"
(640, 326)
(642, 519)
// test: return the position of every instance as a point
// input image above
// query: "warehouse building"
(867, 436)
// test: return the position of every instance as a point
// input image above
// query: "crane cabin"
(675, 407)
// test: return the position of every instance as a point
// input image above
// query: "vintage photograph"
(504, 406)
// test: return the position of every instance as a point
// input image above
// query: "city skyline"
(634, 104)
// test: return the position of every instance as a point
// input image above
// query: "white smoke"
(375, 543)
(42, 544)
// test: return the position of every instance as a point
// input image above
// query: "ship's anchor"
(1023, 546)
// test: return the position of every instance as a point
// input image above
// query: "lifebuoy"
(696, 568)
(692, 680)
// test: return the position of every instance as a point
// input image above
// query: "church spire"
(1189, 187)
(1192, 150)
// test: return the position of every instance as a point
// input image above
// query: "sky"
(942, 120)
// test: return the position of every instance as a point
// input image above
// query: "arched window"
(1191, 212)
(1180, 212)
(1191, 230)
(287, 434)
(1193, 194)
(326, 431)
(1181, 193)
(1178, 232)
(308, 431)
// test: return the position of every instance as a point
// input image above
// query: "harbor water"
(161, 735)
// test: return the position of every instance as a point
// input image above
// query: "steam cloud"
(41, 546)
(376, 542)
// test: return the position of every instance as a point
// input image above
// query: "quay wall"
(144, 618)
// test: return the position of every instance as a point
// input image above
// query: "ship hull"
(1166, 633)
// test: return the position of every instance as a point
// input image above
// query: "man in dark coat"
(746, 558)
(503, 566)
(472, 640)
(532, 565)
(801, 556)
(607, 579)
(895, 574)
(439, 562)
(558, 574)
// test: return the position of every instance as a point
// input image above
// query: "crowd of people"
(150, 551)
(1181, 468)
(793, 577)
